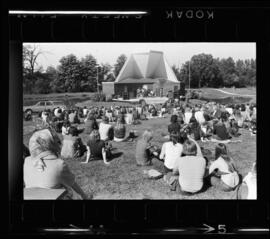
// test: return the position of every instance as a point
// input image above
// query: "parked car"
(44, 105)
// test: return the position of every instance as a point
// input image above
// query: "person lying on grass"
(96, 148)
(73, 146)
(44, 168)
(223, 174)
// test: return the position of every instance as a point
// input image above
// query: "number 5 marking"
(222, 228)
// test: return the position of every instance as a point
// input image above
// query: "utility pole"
(189, 74)
(97, 79)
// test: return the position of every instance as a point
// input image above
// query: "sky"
(175, 53)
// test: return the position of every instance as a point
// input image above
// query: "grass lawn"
(242, 91)
(122, 179)
(30, 99)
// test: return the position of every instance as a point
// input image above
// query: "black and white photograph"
(113, 121)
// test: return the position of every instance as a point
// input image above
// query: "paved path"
(229, 93)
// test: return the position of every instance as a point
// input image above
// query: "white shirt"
(171, 153)
(231, 179)
(104, 130)
(187, 117)
(85, 111)
(251, 182)
(229, 110)
(199, 117)
(129, 118)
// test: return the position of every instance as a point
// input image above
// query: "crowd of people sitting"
(142, 92)
(187, 168)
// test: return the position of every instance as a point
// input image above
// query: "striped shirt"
(191, 172)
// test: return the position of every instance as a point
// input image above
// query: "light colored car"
(44, 105)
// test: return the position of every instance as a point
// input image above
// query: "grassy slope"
(122, 179)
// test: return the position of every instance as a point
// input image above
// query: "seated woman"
(195, 129)
(65, 127)
(143, 153)
(222, 172)
(174, 126)
(253, 127)
(220, 130)
(191, 169)
(44, 168)
(185, 135)
(206, 131)
(57, 123)
(239, 118)
(170, 152)
(234, 128)
(248, 189)
(73, 146)
(119, 130)
(96, 148)
(90, 123)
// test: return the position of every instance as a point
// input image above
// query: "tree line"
(203, 70)
(85, 74)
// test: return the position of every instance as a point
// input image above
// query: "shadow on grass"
(115, 155)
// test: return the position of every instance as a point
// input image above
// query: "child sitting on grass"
(144, 149)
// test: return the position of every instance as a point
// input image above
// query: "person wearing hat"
(44, 168)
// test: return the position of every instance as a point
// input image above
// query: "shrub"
(99, 97)
(108, 98)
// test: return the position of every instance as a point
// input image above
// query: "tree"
(119, 64)
(69, 74)
(89, 73)
(228, 72)
(204, 71)
(31, 69)
(30, 55)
